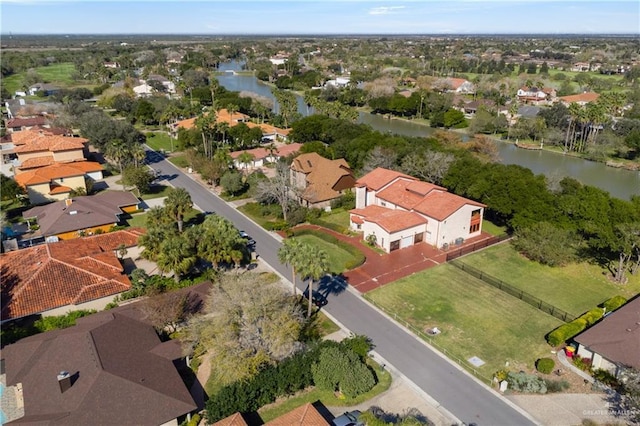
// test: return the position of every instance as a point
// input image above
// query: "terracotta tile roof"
(120, 380)
(223, 116)
(33, 163)
(455, 83)
(440, 204)
(70, 272)
(83, 212)
(56, 171)
(380, 177)
(617, 336)
(59, 189)
(26, 122)
(306, 415)
(35, 141)
(390, 220)
(407, 193)
(325, 178)
(580, 98)
(261, 153)
(233, 420)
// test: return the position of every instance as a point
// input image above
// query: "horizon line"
(12, 33)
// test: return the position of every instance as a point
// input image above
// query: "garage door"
(406, 242)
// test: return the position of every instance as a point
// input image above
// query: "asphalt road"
(455, 390)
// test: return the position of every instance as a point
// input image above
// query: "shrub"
(566, 331)
(592, 316)
(359, 344)
(528, 383)
(276, 226)
(341, 369)
(555, 386)
(61, 321)
(614, 303)
(545, 365)
(583, 364)
(603, 376)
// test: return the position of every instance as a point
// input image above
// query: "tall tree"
(177, 254)
(314, 264)
(178, 203)
(289, 253)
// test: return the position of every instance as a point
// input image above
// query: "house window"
(418, 238)
(383, 204)
(358, 226)
(474, 225)
(395, 245)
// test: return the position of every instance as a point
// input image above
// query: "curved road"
(458, 392)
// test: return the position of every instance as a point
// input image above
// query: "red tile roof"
(261, 153)
(34, 163)
(305, 415)
(390, 220)
(56, 171)
(380, 177)
(35, 141)
(440, 205)
(26, 122)
(407, 193)
(455, 83)
(70, 272)
(233, 420)
(223, 116)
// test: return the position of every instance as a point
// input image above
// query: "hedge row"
(569, 330)
(359, 258)
(614, 303)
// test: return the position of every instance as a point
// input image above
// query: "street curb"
(444, 357)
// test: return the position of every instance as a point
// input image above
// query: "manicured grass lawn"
(338, 257)
(339, 217)
(159, 141)
(140, 219)
(253, 210)
(575, 288)
(179, 161)
(277, 409)
(475, 318)
(492, 229)
(58, 74)
(156, 191)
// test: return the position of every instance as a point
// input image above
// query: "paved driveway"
(465, 397)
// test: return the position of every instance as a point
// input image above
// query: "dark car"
(317, 298)
(349, 418)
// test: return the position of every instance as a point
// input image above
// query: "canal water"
(619, 183)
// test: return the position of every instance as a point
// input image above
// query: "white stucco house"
(400, 211)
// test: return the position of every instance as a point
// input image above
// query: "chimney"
(68, 202)
(64, 380)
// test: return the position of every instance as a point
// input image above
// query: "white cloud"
(384, 10)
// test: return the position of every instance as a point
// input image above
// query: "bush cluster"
(571, 329)
(528, 383)
(614, 303)
(285, 378)
(555, 386)
(583, 364)
(12, 332)
(545, 365)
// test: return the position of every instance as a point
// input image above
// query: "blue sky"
(226, 17)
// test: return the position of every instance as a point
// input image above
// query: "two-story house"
(320, 180)
(399, 211)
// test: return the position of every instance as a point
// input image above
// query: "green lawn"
(58, 74)
(493, 229)
(140, 219)
(338, 257)
(575, 288)
(475, 318)
(179, 161)
(156, 191)
(339, 217)
(159, 141)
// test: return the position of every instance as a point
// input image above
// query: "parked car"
(317, 298)
(349, 418)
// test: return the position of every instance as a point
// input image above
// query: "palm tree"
(246, 158)
(289, 254)
(205, 125)
(232, 108)
(119, 152)
(177, 254)
(178, 203)
(314, 264)
(138, 154)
